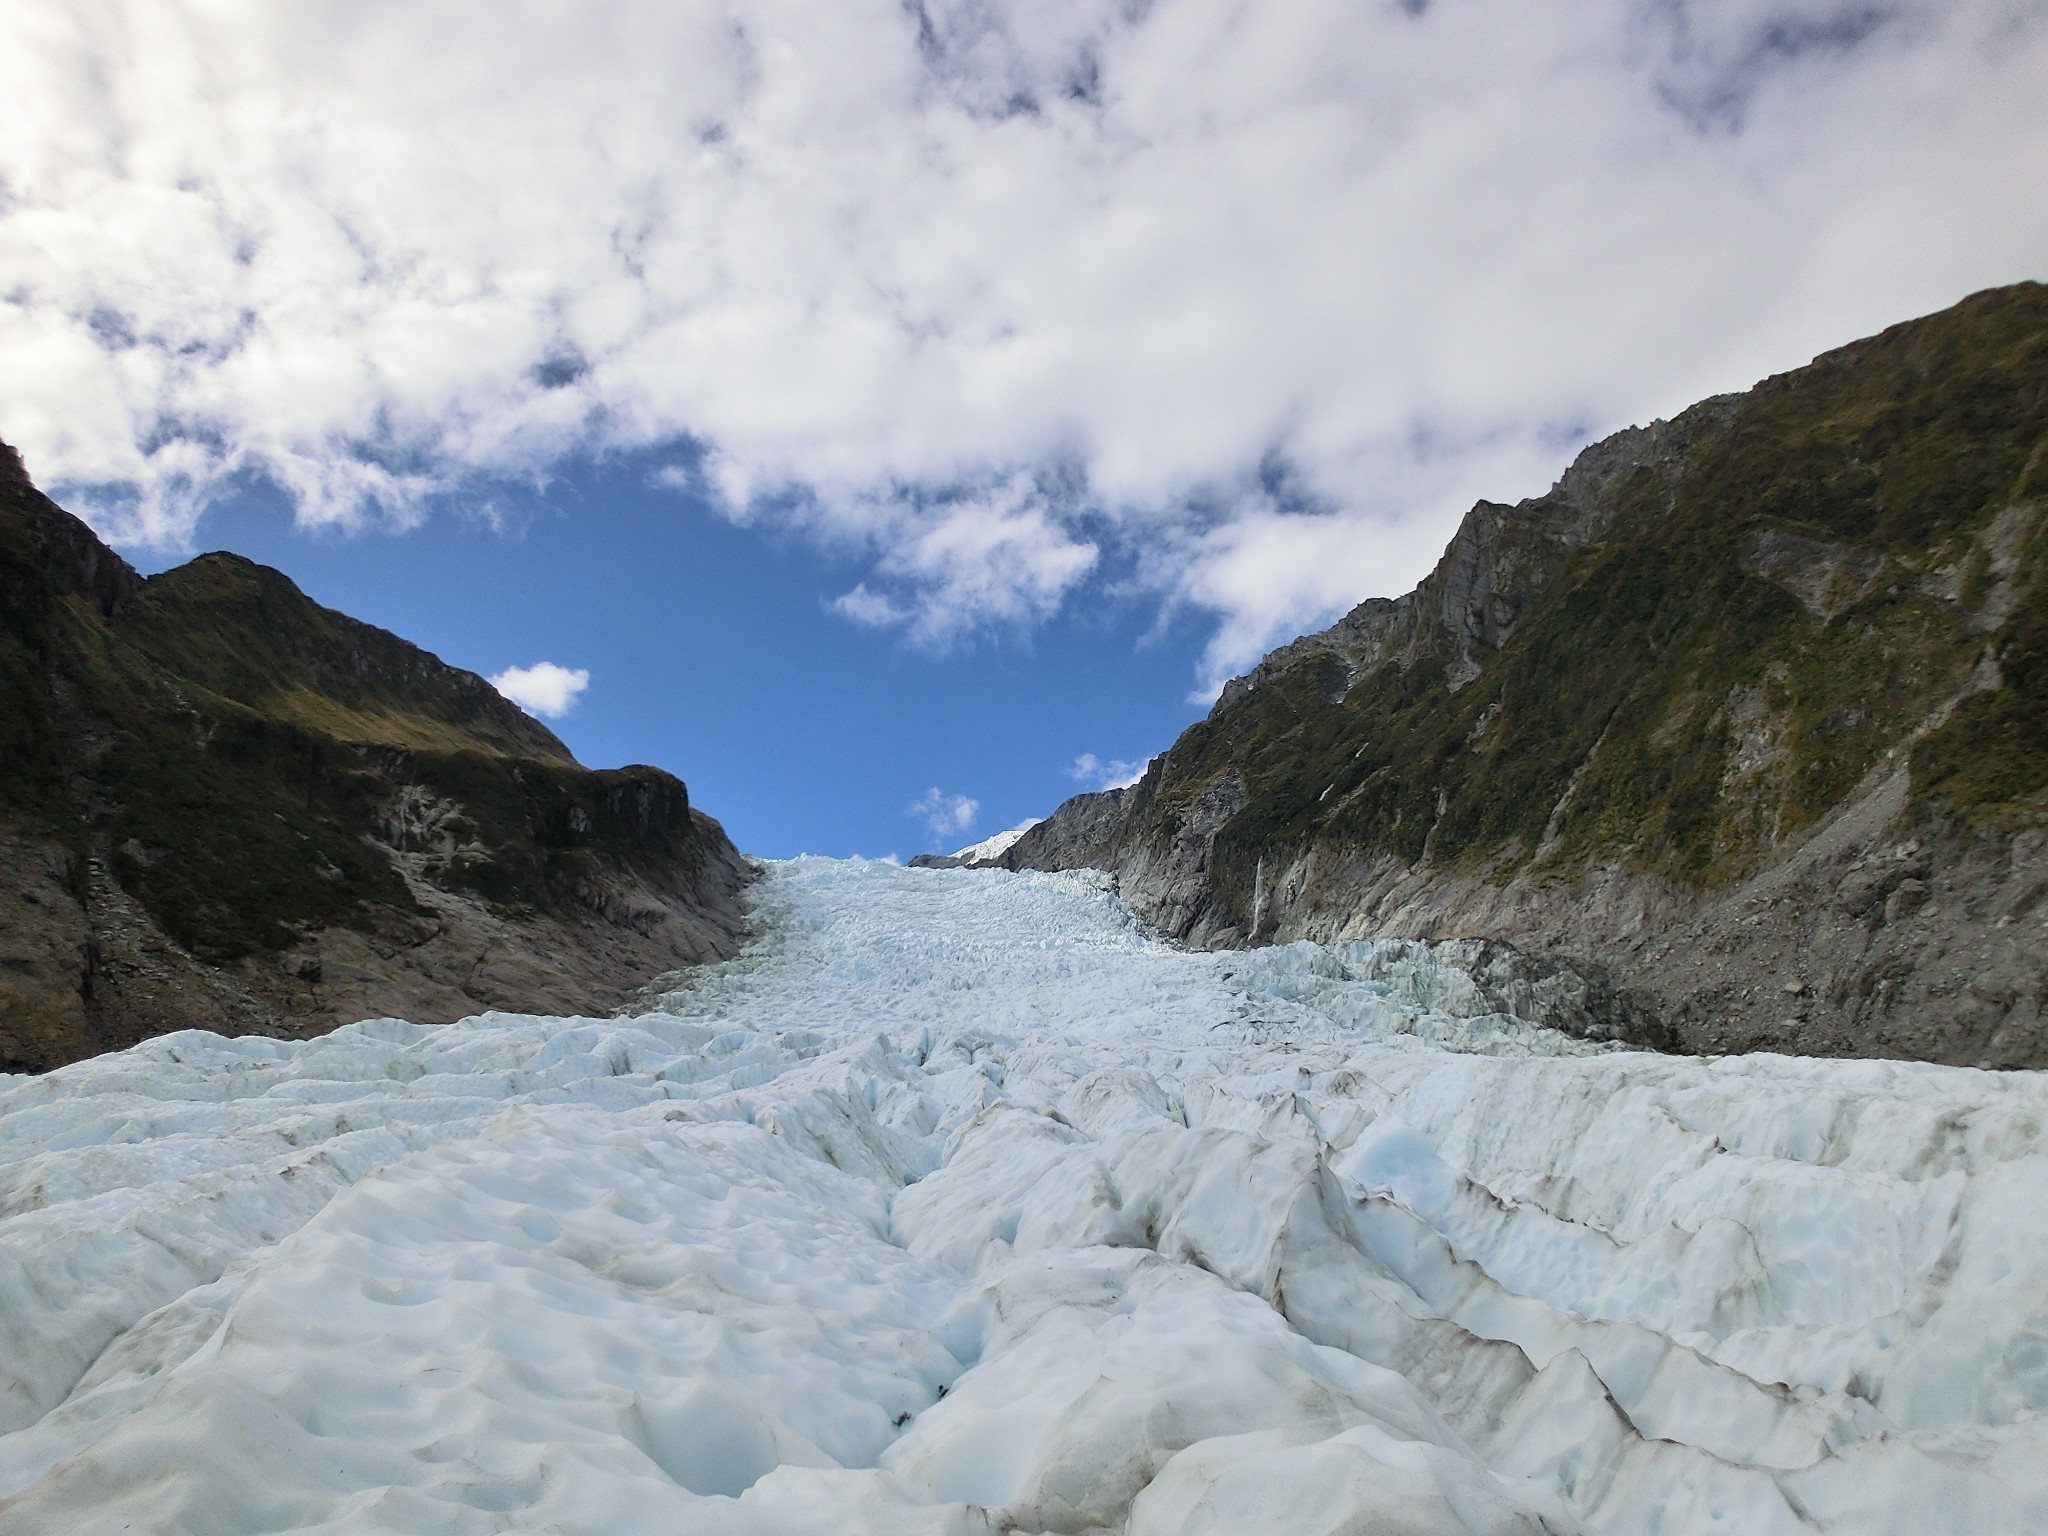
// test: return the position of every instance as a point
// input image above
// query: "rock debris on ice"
(958, 1204)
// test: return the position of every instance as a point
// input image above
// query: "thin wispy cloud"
(543, 688)
(869, 608)
(1235, 306)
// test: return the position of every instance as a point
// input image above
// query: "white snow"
(958, 1204)
(1000, 843)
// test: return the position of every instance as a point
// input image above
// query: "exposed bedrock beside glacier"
(960, 1204)
(1737, 735)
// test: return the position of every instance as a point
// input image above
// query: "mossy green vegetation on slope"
(245, 633)
(241, 760)
(1753, 630)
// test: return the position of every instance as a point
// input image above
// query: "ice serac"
(1738, 735)
(987, 851)
(958, 1203)
(224, 805)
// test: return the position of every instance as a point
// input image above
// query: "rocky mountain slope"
(1736, 739)
(224, 806)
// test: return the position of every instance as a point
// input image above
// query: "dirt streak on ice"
(959, 1204)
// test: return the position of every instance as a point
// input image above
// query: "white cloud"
(1239, 305)
(947, 815)
(1116, 773)
(870, 608)
(959, 562)
(543, 688)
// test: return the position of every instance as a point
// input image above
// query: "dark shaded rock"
(224, 806)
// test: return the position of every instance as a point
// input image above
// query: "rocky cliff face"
(1741, 729)
(224, 806)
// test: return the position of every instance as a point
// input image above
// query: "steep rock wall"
(223, 806)
(1744, 724)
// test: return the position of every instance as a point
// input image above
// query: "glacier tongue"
(960, 1204)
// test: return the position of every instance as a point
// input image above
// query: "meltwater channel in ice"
(959, 1204)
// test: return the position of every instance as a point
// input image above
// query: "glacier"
(996, 844)
(960, 1203)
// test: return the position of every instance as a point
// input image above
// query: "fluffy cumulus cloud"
(994, 558)
(947, 815)
(543, 688)
(1233, 305)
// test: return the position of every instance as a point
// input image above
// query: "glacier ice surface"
(958, 1203)
(996, 844)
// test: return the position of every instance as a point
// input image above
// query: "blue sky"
(915, 396)
(713, 653)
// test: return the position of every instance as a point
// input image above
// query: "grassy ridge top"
(245, 633)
